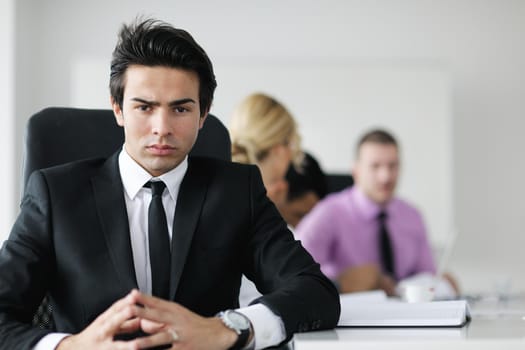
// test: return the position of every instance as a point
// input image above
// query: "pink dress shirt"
(342, 231)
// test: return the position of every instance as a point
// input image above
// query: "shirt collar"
(134, 176)
(368, 207)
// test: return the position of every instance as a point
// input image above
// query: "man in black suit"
(82, 234)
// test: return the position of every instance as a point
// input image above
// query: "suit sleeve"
(26, 261)
(291, 282)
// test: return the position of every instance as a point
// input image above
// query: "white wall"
(7, 117)
(476, 42)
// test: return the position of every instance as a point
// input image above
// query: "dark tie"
(387, 255)
(159, 242)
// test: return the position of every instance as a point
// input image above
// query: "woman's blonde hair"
(259, 123)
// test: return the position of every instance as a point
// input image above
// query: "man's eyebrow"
(171, 104)
(141, 100)
(181, 102)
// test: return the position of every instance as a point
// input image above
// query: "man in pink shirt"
(364, 237)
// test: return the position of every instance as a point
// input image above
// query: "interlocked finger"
(173, 333)
(167, 336)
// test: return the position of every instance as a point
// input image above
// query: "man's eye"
(180, 109)
(144, 108)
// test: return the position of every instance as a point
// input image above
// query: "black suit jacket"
(71, 240)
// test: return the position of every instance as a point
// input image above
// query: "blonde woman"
(264, 133)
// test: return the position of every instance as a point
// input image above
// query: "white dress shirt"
(137, 199)
(268, 327)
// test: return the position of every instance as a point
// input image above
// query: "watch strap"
(242, 334)
(242, 340)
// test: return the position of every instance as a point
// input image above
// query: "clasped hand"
(165, 322)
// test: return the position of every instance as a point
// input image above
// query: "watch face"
(239, 320)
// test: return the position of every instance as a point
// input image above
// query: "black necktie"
(387, 255)
(159, 242)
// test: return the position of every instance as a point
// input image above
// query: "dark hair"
(151, 42)
(310, 178)
(376, 136)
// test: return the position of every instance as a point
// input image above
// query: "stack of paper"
(374, 309)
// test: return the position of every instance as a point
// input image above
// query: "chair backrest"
(338, 182)
(59, 135)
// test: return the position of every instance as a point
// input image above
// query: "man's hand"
(388, 284)
(169, 322)
(452, 281)
(365, 277)
(359, 278)
(118, 319)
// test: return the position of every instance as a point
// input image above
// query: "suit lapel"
(111, 207)
(188, 210)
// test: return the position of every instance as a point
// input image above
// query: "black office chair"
(59, 135)
(337, 182)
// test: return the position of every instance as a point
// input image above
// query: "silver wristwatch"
(239, 323)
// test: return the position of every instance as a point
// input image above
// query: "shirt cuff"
(268, 328)
(50, 341)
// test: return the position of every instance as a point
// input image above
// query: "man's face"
(160, 114)
(376, 171)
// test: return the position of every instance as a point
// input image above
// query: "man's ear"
(354, 171)
(202, 119)
(117, 111)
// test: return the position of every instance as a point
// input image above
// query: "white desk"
(493, 326)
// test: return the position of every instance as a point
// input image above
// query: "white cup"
(417, 293)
